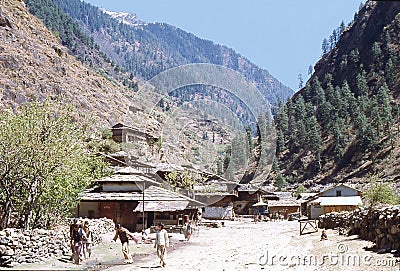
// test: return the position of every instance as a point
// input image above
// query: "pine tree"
(385, 109)
(342, 27)
(310, 70)
(339, 139)
(319, 92)
(280, 144)
(314, 140)
(325, 46)
(301, 81)
(362, 84)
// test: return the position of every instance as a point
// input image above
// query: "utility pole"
(143, 227)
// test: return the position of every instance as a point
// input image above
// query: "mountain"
(35, 66)
(146, 49)
(344, 125)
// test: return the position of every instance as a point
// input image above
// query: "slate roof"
(161, 199)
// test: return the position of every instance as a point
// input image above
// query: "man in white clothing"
(161, 243)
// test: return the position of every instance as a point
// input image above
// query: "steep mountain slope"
(34, 66)
(148, 49)
(344, 125)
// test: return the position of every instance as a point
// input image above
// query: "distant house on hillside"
(122, 133)
(338, 198)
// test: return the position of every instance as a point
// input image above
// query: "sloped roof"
(161, 206)
(130, 178)
(335, 186)
(340, 201)
(282, 203)
(152, 194)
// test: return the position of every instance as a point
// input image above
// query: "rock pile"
(20, 246)
(381, 226)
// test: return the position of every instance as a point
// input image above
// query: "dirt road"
(240, 245)
(243, 245)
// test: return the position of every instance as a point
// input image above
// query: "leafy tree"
(185, 179)
(45, 163)
(300, 189)
(381, 193)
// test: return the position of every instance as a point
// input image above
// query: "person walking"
(188, 230)
(123, 235)
(77, 237)
(87, 243)
(71, 229)
(161, 243)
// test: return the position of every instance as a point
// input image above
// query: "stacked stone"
(381, 226)
(38, 245)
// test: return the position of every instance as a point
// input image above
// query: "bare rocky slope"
(34, 67)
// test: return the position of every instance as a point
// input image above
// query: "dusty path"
(243, 245)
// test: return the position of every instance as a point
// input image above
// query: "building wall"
(216, 200)
(316, 211)
(89, 209)
(344, 191)
(120, 187)
(243, 207)
(119, 211)
(246, 196)
(284, 210)
(342, 208)
(211, 212)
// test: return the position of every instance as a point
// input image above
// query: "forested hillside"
(145, 50)
(344, 125)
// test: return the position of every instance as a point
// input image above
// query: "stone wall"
(33, 246)
(382, 226)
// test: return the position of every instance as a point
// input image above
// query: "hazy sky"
(283, 36)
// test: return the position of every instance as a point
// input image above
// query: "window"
(338, 193)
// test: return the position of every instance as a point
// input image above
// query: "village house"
(248, 196)
(218, 194)
(122, 134)
(285, 204)
(120, 197)
(338, 198)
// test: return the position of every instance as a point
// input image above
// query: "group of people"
(82, 238)
(81, 241)
(161, 242)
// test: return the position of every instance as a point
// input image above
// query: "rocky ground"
(242, 245)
